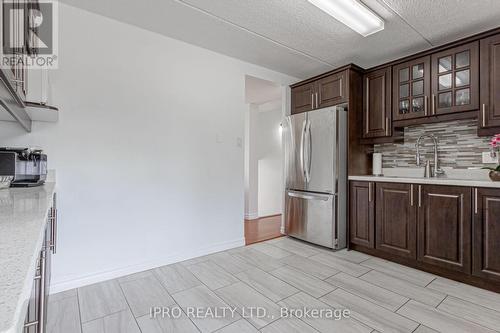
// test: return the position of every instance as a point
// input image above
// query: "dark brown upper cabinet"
(396, 219)
(332, 90)
(486, 234)
(362, 214)
(377, 118)
(411, 89)
(303, 98)
(444, 227)
(489, 117)
(455, 80)
(327, 91)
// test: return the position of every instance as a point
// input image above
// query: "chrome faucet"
(437, 170)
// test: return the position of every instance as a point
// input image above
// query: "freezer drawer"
(311, 217)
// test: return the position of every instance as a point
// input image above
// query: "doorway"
(264, 182)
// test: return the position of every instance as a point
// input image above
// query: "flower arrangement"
(495, 148)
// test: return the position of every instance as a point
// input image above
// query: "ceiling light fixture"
(352, 13)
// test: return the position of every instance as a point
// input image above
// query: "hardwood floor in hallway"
(262, 229)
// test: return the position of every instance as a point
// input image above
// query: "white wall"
(251, 163)
(142, 180)
(270, 168)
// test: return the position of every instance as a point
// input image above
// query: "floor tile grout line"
(468, 301)
(430, 282)
(232, 275)
(332, 276)
(442, 301)
(359, 319)
(397, 293)
(300, 290)
(403, 279)
(369, 300)
(79, 310)
(473, 322)
(129, 307)
(409, 299)
(450, 314)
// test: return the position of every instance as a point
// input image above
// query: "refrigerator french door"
(316, 176)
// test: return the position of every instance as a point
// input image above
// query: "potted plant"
(495, 147)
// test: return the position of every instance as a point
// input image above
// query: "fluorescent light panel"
(352, 13)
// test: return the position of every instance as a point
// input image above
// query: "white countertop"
(432, 181)
(23, 217)
(453, 177)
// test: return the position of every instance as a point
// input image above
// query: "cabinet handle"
(370, 192)
(317, 100)
(484, 115)
(419, 195)
(426, 102)
(312, 100)
(475, 201)
(411, 195)
(41, 308)
(387, 131)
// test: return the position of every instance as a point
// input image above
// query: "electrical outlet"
(487, 159)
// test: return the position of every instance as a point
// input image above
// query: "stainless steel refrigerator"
(316, 176)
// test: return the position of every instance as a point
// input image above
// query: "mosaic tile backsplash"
(459, 146)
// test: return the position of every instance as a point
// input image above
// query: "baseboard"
(251, 216)
(70, 283)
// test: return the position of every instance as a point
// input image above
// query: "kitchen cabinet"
(455, 80)
(377, 118)
(411, 89)
(489, 116)
(326, 91)
(396, 219)
(332, 90)
(362, 214)
(451, 231)
(444, 226)
(303, 98)
(36, 313)
(486, 234)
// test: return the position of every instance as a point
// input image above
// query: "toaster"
(27, 166)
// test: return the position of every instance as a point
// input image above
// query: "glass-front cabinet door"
(411, 89)
(455, 80)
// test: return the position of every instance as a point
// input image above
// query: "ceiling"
(295, 37)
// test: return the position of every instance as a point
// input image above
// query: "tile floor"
(281, 273)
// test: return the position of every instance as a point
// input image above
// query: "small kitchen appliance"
(27, 166)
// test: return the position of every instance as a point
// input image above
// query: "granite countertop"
(453, 177)
(23, 217)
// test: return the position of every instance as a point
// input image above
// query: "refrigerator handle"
(309, 196)
(302, 147)
(309, 151)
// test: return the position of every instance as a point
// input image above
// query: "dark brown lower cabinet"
(444, 227)
(362, 214)
(396, 219)
(486, 229)
(452, 231)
